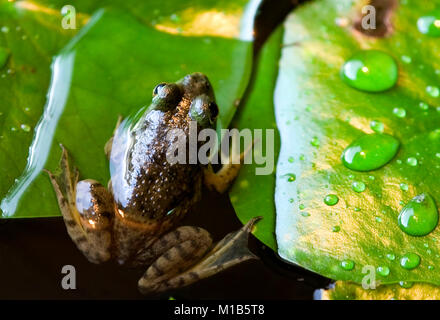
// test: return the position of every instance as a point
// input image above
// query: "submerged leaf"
(108, 69)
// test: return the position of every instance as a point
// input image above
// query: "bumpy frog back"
(145, 185)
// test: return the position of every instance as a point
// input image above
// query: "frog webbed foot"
(87, 209)
(184, 257)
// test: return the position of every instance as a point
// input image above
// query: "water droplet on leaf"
(315, 142)
(412, 161)
(347, 264)
(430, 24)
(383, 271)
(433, 91)
(331, 199)
(391, 256)
(25, 127)
(377, 126)
(424, 106)
(403, 187)
(410, 261)
(406, 59)
(358, 186)
(290, 177)
(406, 284)
(305, 214)
(420, 216)
(370, 70)
(370, 152)
(399, 112)
(174, 17)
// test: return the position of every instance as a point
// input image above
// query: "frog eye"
(157, 88)
(203, 110)
(213, 109)
(166, 96)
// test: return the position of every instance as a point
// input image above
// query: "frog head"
(194, 91)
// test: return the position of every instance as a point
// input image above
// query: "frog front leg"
(222, 179)
(87, 209)
(186, 255)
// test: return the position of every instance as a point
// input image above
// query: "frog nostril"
(213, 109)
(157, 88)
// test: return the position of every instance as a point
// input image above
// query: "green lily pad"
(319, 115)
(108, 69)
(4, 54)
(252, 193)
(351, 291)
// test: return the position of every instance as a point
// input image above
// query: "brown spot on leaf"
(384, 10)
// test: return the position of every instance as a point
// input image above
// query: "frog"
(135, 220)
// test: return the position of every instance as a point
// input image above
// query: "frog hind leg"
(109, 143)
(184, 257)
(90, 232)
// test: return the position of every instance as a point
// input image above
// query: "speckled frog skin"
(135, 221)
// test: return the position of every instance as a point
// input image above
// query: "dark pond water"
(33, 251)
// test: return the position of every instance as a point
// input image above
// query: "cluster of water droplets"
(376, 71)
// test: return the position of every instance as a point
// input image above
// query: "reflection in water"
(119, 167)
(247, 21)
(62, 69)
(44, 131)
(63, 73)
